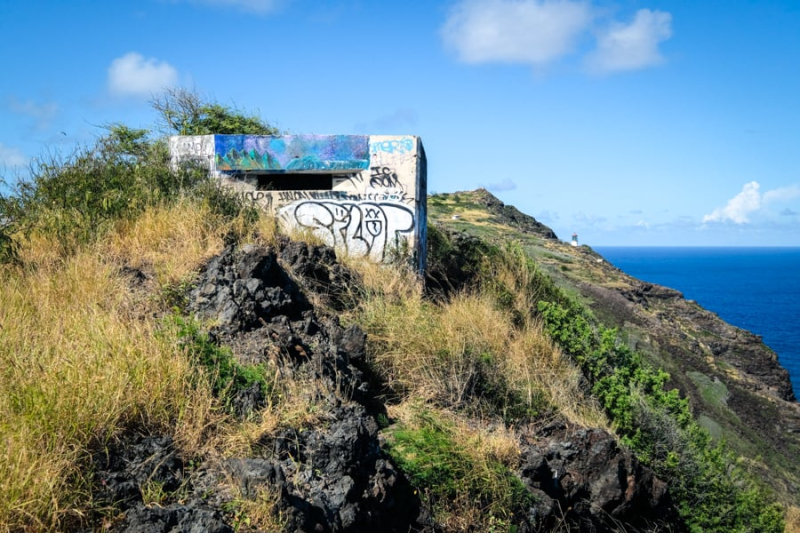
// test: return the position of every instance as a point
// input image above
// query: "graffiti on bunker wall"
(360, 229)
(363, 194)
(391, 146)
(291, 152)
(194, 148)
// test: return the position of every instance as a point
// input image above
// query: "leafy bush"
(183, 112)
(454, 476)
(713, 492)
(76, 198)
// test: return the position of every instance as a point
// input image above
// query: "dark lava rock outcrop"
(583, 476)
(333, 475)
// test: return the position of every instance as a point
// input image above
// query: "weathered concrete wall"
(364, 195)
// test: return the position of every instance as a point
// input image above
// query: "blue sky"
(629, 122)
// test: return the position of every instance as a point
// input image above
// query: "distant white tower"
(574, 239)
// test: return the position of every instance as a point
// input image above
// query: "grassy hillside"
(736, 390)
(473, 385)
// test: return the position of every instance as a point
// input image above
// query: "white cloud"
(749, 202)
(260, 7)
(11, 156)
(534, 32)
(632, 46)
(43, 114)
(739, 207)
(133, 75)
(782, 194)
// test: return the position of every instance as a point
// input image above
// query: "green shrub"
(712, 491)
(228, 376)
(76, 198)
(452, 475)
(183, 112)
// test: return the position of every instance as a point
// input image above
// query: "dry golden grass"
(792, 519)
(75, 370)
(438, 352)
(170, 240)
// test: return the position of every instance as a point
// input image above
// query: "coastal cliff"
(737, 389)
(217, 375)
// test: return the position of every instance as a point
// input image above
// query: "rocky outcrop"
(333, 475)
(511, 216)
(136, 473)
(582, 476)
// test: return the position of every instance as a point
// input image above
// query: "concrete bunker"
(365, 195)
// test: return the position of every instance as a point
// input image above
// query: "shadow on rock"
(582, 476)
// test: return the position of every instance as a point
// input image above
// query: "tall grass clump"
(169, 241)
(461, 472)
(88, 354)
(477, 349)
(468, 350)
(75, 371)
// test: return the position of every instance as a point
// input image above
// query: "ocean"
(757, 289)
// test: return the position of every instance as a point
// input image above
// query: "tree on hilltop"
(183, 112)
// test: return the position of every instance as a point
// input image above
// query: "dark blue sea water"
(757, 289)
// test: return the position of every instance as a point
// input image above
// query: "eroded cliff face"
(737, 388)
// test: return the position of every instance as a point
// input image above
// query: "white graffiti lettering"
(362, 229)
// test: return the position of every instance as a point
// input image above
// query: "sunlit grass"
(85, 355)
(467, 351)
(74, 372)
(75, 369)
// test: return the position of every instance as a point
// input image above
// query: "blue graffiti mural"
(291, 152)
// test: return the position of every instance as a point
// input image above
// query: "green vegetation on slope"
(713, 491)
(85, 358)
